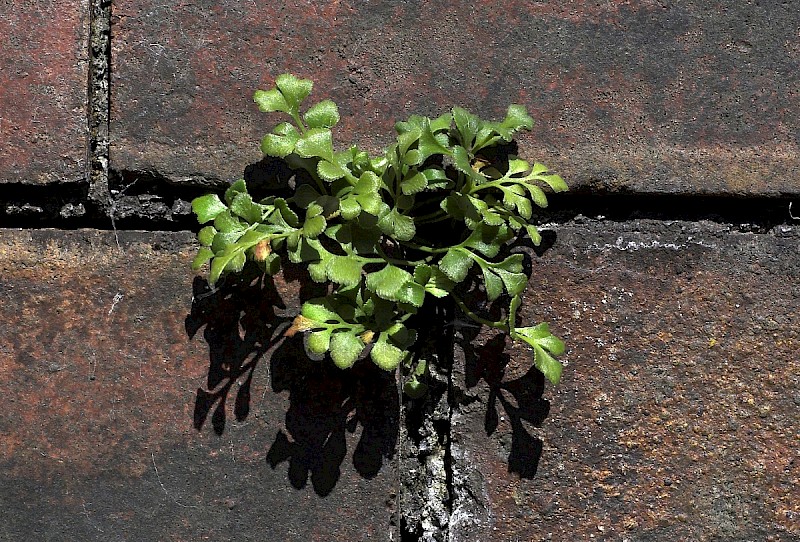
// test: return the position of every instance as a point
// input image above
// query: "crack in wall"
(135, 203)
(470, 510)
(753, 214)
(99, 100)
(150, 201)
(424, 461)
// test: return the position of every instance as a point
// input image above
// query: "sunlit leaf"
(456, 264)
(317, 142)
(538, 195)
(238, 187)
(514, 282)
(368, 183)
(244, 207)
(277, 146)
(517, 166)
(517, 118)
(223, 239)
(494, 285)
(225, 222)
(556, 183)
(428, 145)
(461, 160)
(207, 207)
(386, 355)
(319, 342)
(544, 344)
(549, 366)
(389, 283)
(433, 280)
(330, 171)
(533, 233)
(203, 256)
(467, 126)
(397, 225)
(206, 235)
(437, 178)
(344, 270)
(325, 114)
(314, 226)
(270, 100)
(345, 347)
(412, 293)
(319, 310)
(231, 259)
(415, 183)
(293, 89)
(350, 208)
(287, 214)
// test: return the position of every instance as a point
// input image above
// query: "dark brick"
(682, 97)
(108, 371)
(676, 418)
(43, 112)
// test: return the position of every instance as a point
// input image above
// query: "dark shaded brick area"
(43, 77)
(107, 433)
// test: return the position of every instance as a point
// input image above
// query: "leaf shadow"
(325, 403)
(243, 321)
(520, 398)
(241, 318)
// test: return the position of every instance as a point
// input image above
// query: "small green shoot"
(363, 225)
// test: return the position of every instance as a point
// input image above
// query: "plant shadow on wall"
(375, 243)
(520, 397)
(521, 400)
(243, 321)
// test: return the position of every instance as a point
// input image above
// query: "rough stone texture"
(676, 97)
(133, 413)
(43, 76)
(425, 437)
(108, 371)
(676, 418)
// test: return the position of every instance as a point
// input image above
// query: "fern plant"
(387, 233)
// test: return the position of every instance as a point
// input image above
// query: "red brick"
(102, 357)
(643, 97)
(43, 78)
(676, 417)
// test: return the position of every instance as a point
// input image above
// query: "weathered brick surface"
(132, 413)
(43, 77)
(678, 97)
(102, 358)
(676, 418)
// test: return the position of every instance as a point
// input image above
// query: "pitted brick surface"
(679, 97)
(675, 418)
(676, 415)
(106, 379)
(43, 77)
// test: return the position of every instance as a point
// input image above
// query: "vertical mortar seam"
(99, 102)
(448, 452)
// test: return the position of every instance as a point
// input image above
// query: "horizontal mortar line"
(723, 209)
(41, 208)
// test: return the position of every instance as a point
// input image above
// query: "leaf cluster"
(387, 232)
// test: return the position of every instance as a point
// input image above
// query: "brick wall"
(139, 406)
